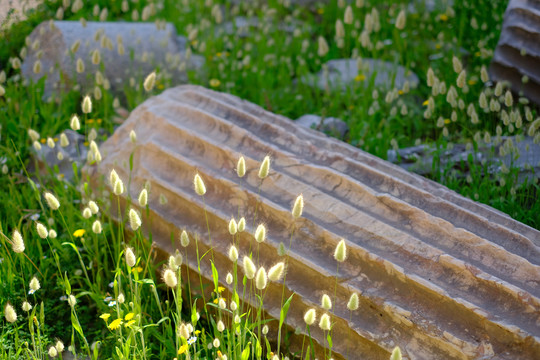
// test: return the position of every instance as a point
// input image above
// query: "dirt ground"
(18, 6)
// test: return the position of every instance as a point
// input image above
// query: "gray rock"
(242, 26)
(47, 158)
(342, 74)
(330, 125)
(525, 157)
(146, 47)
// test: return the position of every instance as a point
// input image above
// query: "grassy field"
(90, 295)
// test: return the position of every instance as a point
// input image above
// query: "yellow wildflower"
(360, 77)
(79, 233)
(401, 92)
(425, 103)
(90, 121)
(105, 316)
(137, 269)
(438, 46)
(320, 11)
(216, 300)
(443, 17)
(220, 289)
(447, 121)
(197, 332)
(115, 324)
(215, 83)
(43, 141)
(129, 316)
(471, 82)
(182, 349)
(129, 323)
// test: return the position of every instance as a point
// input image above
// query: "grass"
(263, 67)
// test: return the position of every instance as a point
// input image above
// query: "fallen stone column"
(517, 54)
(439, 275)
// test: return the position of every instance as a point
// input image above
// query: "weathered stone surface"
(525, 157)
(439, 275)
(330, 125)
(342, 74)
(518, 54)
(146, 47)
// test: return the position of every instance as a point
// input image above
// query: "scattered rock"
(525, 157)
(145, 48)
(342, 73)
(331, 125)
(242, 26)
(517, 54)
(454, 275)
(47, 158)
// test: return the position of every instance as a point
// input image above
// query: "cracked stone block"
(146, 47)
(330, 125)
(342, 73)
(439, 275)
(517, 54)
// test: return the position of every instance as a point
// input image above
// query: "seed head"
(34, 135)
(96, 227)
(265, 167)
(462, 77)
(233, 253)
(241, 225)
(396, 354)
(276, 272)
(340, 254)
(72, 300)
(52, 201)
(216, 343)
(94, 208)
(183, 331)
(400, 21)
(484, 76)
(169, 277)
(96, 57)
(456, 64)
(34, 284)
(64, 141)
(59, 346)
(323, 46)
(310, 316)
(53, 352)
(118, 188)
(508, 99)
(340, 29)
(241, 167)
(249, 268)
(198, 183)
(184, 238)
(260, 233)
(121, 298)
(353, 302)
(87, 213)
(133, 136)
(233, 227)
(134, 220)
(265, 329)
(222, 304)
(87, 105)
(150, 81)
(261, 279)
(229, 279)
(79, 67)
(298, 207)
(324, 323)
(37, 67)
(42, 230)
(17, 242)
(172, 263)
(10, 314)
(75, 124)
(348, 17)
(26, 306)
(131, 260)
(143, 198)
(220, 328)
(326, 303)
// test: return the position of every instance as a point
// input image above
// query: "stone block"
(439, 275)
(517, 54)
(146, 47)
